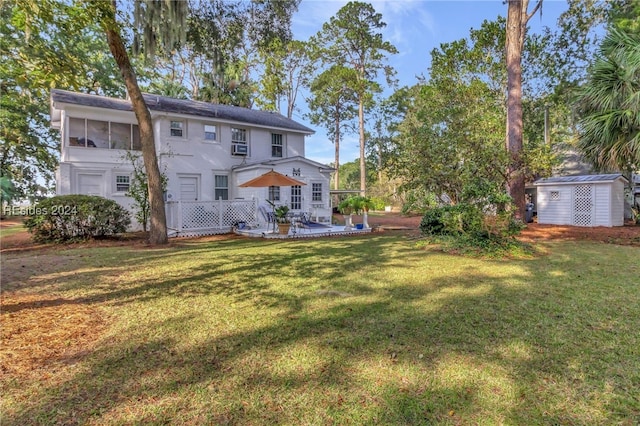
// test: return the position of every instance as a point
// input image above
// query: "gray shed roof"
(183, 106)
(564, 180)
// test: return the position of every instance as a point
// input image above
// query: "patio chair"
(302, 222)
(268, 216)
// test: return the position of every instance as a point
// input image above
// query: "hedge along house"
(591, 200)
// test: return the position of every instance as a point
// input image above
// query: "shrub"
(377, 203)
(470, 225)
(419, 201)
(75, 218)
(451, 220)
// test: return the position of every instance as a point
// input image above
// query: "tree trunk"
(363, 166)
(380, 162)
(336, 176)
(158, 222)
(515, 175)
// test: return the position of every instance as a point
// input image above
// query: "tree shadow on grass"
(448, 348)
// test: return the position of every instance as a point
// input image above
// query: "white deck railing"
(193, 218)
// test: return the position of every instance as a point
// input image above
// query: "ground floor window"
(296, 197)
(221, 187)
(274, 193)
(316, 192)
(123, 183)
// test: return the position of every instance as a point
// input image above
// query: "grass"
(11, 230)
(369, 330)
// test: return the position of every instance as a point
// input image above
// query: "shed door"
(188, 188)
(583, 205)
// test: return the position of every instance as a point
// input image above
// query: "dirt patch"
(381, 222)
(41, 335)
(622, 235)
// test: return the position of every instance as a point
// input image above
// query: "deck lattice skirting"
(199, 218)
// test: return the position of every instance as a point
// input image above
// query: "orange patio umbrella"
(271, 178)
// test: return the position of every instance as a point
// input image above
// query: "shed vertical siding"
(555, 212)
(617, 203)
(594, 200)
(602, 202)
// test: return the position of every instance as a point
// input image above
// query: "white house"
(588, 200)
(206, 151)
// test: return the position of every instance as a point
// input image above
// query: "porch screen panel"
(135, 134)
(97, 134)
(76, 132)
(120, 136)
(296, 197)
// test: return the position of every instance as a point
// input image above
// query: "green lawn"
(368, 330)
(11, 230)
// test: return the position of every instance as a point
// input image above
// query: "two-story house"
(205, 150)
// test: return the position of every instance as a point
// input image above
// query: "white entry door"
(583, 205)
(189, 188)
(90, 184)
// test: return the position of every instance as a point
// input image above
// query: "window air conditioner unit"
(238, 149)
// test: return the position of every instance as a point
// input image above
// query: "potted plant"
(346, 208)
(284, 225)
(361, 206)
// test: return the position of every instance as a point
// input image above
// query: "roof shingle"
(185, 106)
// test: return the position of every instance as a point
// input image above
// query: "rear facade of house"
(205, 150)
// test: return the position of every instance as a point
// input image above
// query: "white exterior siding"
(190, 161)
(556, 211)
(593, 200)
(617, 203)
(603, 205)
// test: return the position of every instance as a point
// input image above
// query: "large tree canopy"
(40, 48)
(609, 105)
(352, 39)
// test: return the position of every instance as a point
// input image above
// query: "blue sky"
(415, 27)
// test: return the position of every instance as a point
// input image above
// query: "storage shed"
(591, 200)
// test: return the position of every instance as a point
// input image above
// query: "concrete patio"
(300, 232)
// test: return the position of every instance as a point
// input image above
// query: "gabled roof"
(564, 180)
(277, 161)
(187, 107)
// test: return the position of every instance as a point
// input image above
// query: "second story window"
(276, 145)
(87, 133)
(239, 141)
(210, 133)
(176, 128)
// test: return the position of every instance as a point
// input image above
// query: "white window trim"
(115, 182)
(110, 123)
(217, 133)
(321, 201)
(221, 173)
(184, 128)
(247, 137)
(282, 145)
